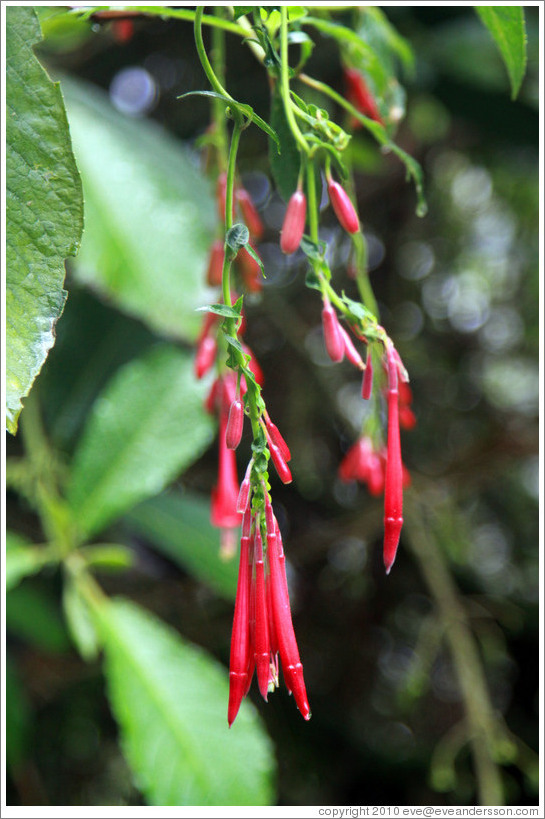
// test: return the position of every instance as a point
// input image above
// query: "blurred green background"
(458, 292)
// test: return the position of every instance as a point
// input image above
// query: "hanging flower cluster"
(263, 638)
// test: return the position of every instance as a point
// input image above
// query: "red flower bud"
(334, 341)
(367, 382)
(350, 351)
(206, 355)
(249, 213)
(277, 438)
(343, 207)
(215, 264)
(235, 423)
(280, 464)
(360, 96)
(294, 222)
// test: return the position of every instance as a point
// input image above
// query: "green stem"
(203, 57)
(285, 82)
(218, 108)
(312, 202)
(229, 196)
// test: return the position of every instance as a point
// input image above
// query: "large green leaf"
(149, 215)
(507, 27)
(286, 165)
(178, 525)
(44, 208)
(146, 426)
(170, 699)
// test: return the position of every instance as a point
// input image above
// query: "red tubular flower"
(249, 213)
(334, 341)
(350, 351)
(240, 637)
(285, 635)
(206, 355)
(224, 513)
(215, 264)
(294, 222)
(393, 490)
(261, 634)
(360, 96)
(343, 207)
(367, 382)
(235, 423)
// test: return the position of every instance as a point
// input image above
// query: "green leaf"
(507, 26)
(22, 559)
(170, 699)
(146, 427)
(32, 614)
(44, 208)
(18, 718)
(149, 219)
(80, 621)
(237, 236)
(240, 11)
(221, 310)
(285, 166)
(242, 107)
(178, 525)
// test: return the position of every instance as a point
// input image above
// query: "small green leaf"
(237, 237)
(170, 699)
(255, 256)
(221, 310)
(243, 108)
(145, 428)
(22, 559)
(44, 208)
(178, 525)
(313, 250)
(110, 557)
(507, 26)
(80, 621)
(285, 167)
(149, 215)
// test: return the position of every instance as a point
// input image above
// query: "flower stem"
(285, 83)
